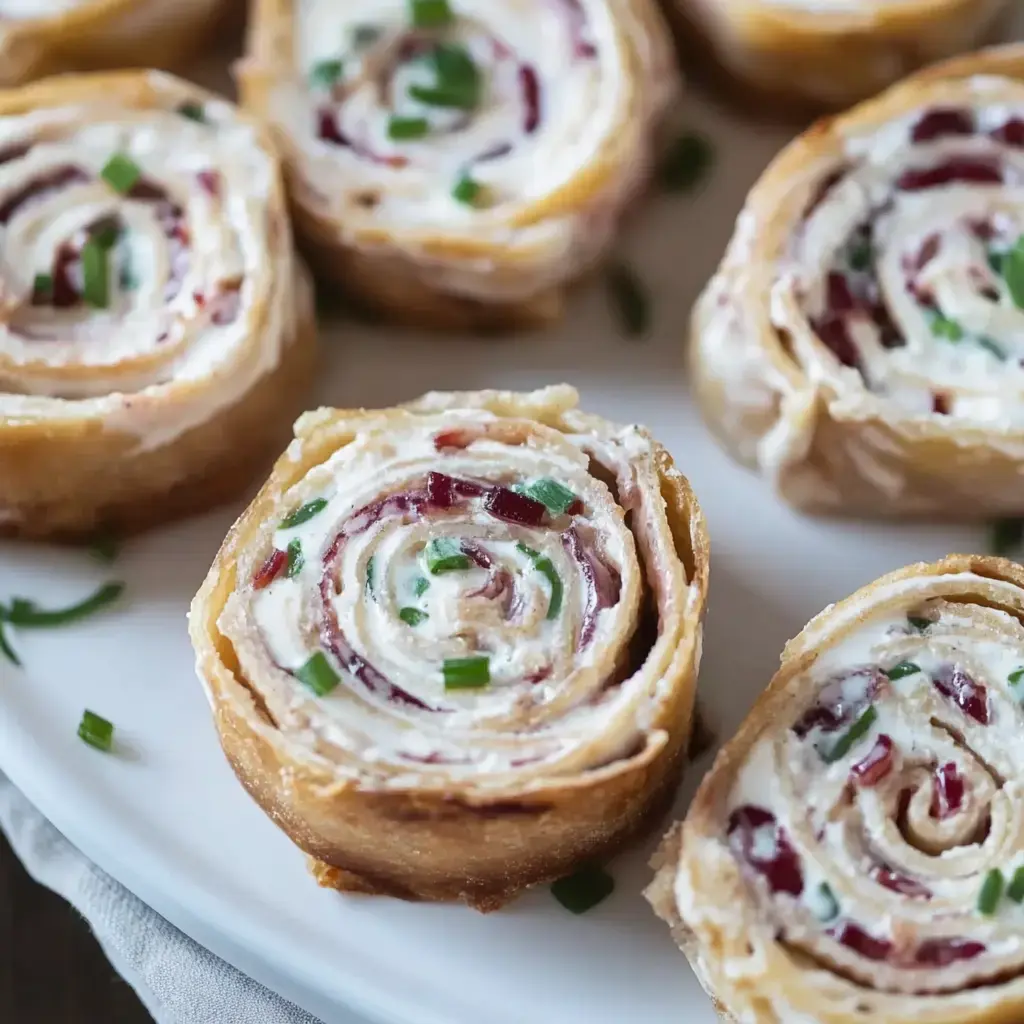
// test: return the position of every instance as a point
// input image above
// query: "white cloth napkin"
(177, 980)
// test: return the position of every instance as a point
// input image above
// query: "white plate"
(166, 817)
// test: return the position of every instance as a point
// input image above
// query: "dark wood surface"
(51, 969)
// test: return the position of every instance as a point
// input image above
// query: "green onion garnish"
(583, 890)
(686, 163)
(856, 732)
(557, 497)
(121, 173)
(1012, 270)
(902, 670)
(105, 547)
(1016, 676)
(369, 573)
(318, 674)
(919, 623)
(468, 191)
(1016, 888)
(27, 614)
(445, 555)
(1006, 536)
(303, 513)
(990, 346)
(42, 286)
(995, 261)
(412, 616)
(407, 127)
(629, 300)
(5, 648)
(106, 233)
(430, 13)
(826, 906)
(421, 586)
(324, 73)
(95, 274)
(457, 79)
(96, 731)
(295, 558)
(991, 891)
(943, 327)
(547, 568)
(365, 35)
(466, 673)
(193, 111)
(860, 255)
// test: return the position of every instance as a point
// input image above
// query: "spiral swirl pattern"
(455, 156)
(868, 817)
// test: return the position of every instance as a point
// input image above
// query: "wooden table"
(51, 969)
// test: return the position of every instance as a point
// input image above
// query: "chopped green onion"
(1016, 676)
(325, 73)
(105, 548)
(27, 614)
(686, 162)
(96, 731)
(295, 558)
(856, 732)
(943, 327)
(407, 127)
(995, 261)
(547, 568)
(557, 497)
(860, 255)
(369, 573)
(421, 586)
(318, 674)
(5, 648)
(457, 79)
(412, 616)
(304, 513)
(466, 673)
(365, 35)
(902, 670)
(1012, 270)
(629, 300)
(991, 891)
(826, 906)
(583, 890)
(430, 13)
(468, 191)
(106, 233)
(121, 173)
(445, 555)
(990, 346)
(529, 552)
(95, 274)
(42, 286)
(919, 623)
(1016, 889)
(193, 111)
(1007, 535)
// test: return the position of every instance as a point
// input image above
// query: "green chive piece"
(686, 163)
(96, 731)
(295, 558)
(860, 255)
(1016, 888)
(943, 327)
(324, 73)
(467, 673)
(902, 670)
(42, 286)
(28, 615)
(95, 275)
(421, 586)
(856, 732)
(365, 35)
(193, 111)
(412, 616)
(468, 191)
(318, 674)
(629, 300)
(407, 127)
(529, 552)
(5, 648)
(990, 346)
(105, 547)
(919, 623)
(991, 892)
(557, 497)
(457, 79)
(546, 568)
(303, 513)
(826, 906)
(1012, 270)
(445, 555)
(995, 261)
(583, 890)
(430, 13)
(1016, 676)
(369, 573)
(121, 173)
(106, 234)
(1006, 536)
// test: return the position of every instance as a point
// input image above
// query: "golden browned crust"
(450, 841)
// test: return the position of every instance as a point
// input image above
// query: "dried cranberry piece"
(940, 403)
(513, 507)
(841, 700)
(906, 886)
(1011, 133)
(270, 570)
(848, 934)
(943, 952)
(876, 765)
(840, 297)
(836, 338)
(755, 835)
(440, 490)
(937, 124)
(976, 171)
(530, 89)
(971, 697)
(327, 127)
(947, 792)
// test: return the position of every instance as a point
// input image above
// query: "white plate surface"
(166, 817)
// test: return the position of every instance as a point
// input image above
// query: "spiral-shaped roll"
(155, 334)
(830, 53)
(41, 37)
(862, 343)
(459, 163)
(857, 851)
(451, 647)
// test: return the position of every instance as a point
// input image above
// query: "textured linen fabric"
(177, 980)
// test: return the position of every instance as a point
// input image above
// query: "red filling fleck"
(56, 179)
(943, 952)
(940, 403)
(841, 700)
(840, 297)
(970, 697)
(979, 171)
(209, 182)
(940, 123)
(577, 24)
(327, 127)
(453, 439)
(530, 89)
(906, 886)
(876, 765)
(1011, 133)
(836, 337)
(603, 583)
(270, 570)
(781, 868)
(947, 792)
(848, 934)
(513, 507)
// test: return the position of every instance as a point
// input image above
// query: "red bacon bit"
(270, 570)
(943, 952)
(941, 123)
(1011, 133)
(967, 169)
(876, 765)
(947, 792)
(970, 697)
(530, 89)
(896, 882)
(782, 869)
(209, 182)
(848, 934)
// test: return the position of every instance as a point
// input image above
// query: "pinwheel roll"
(862, 343)
(155, 334)
(451, 647)
(39, 37)
(836, 52)
(459, 163)
(857, 851)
